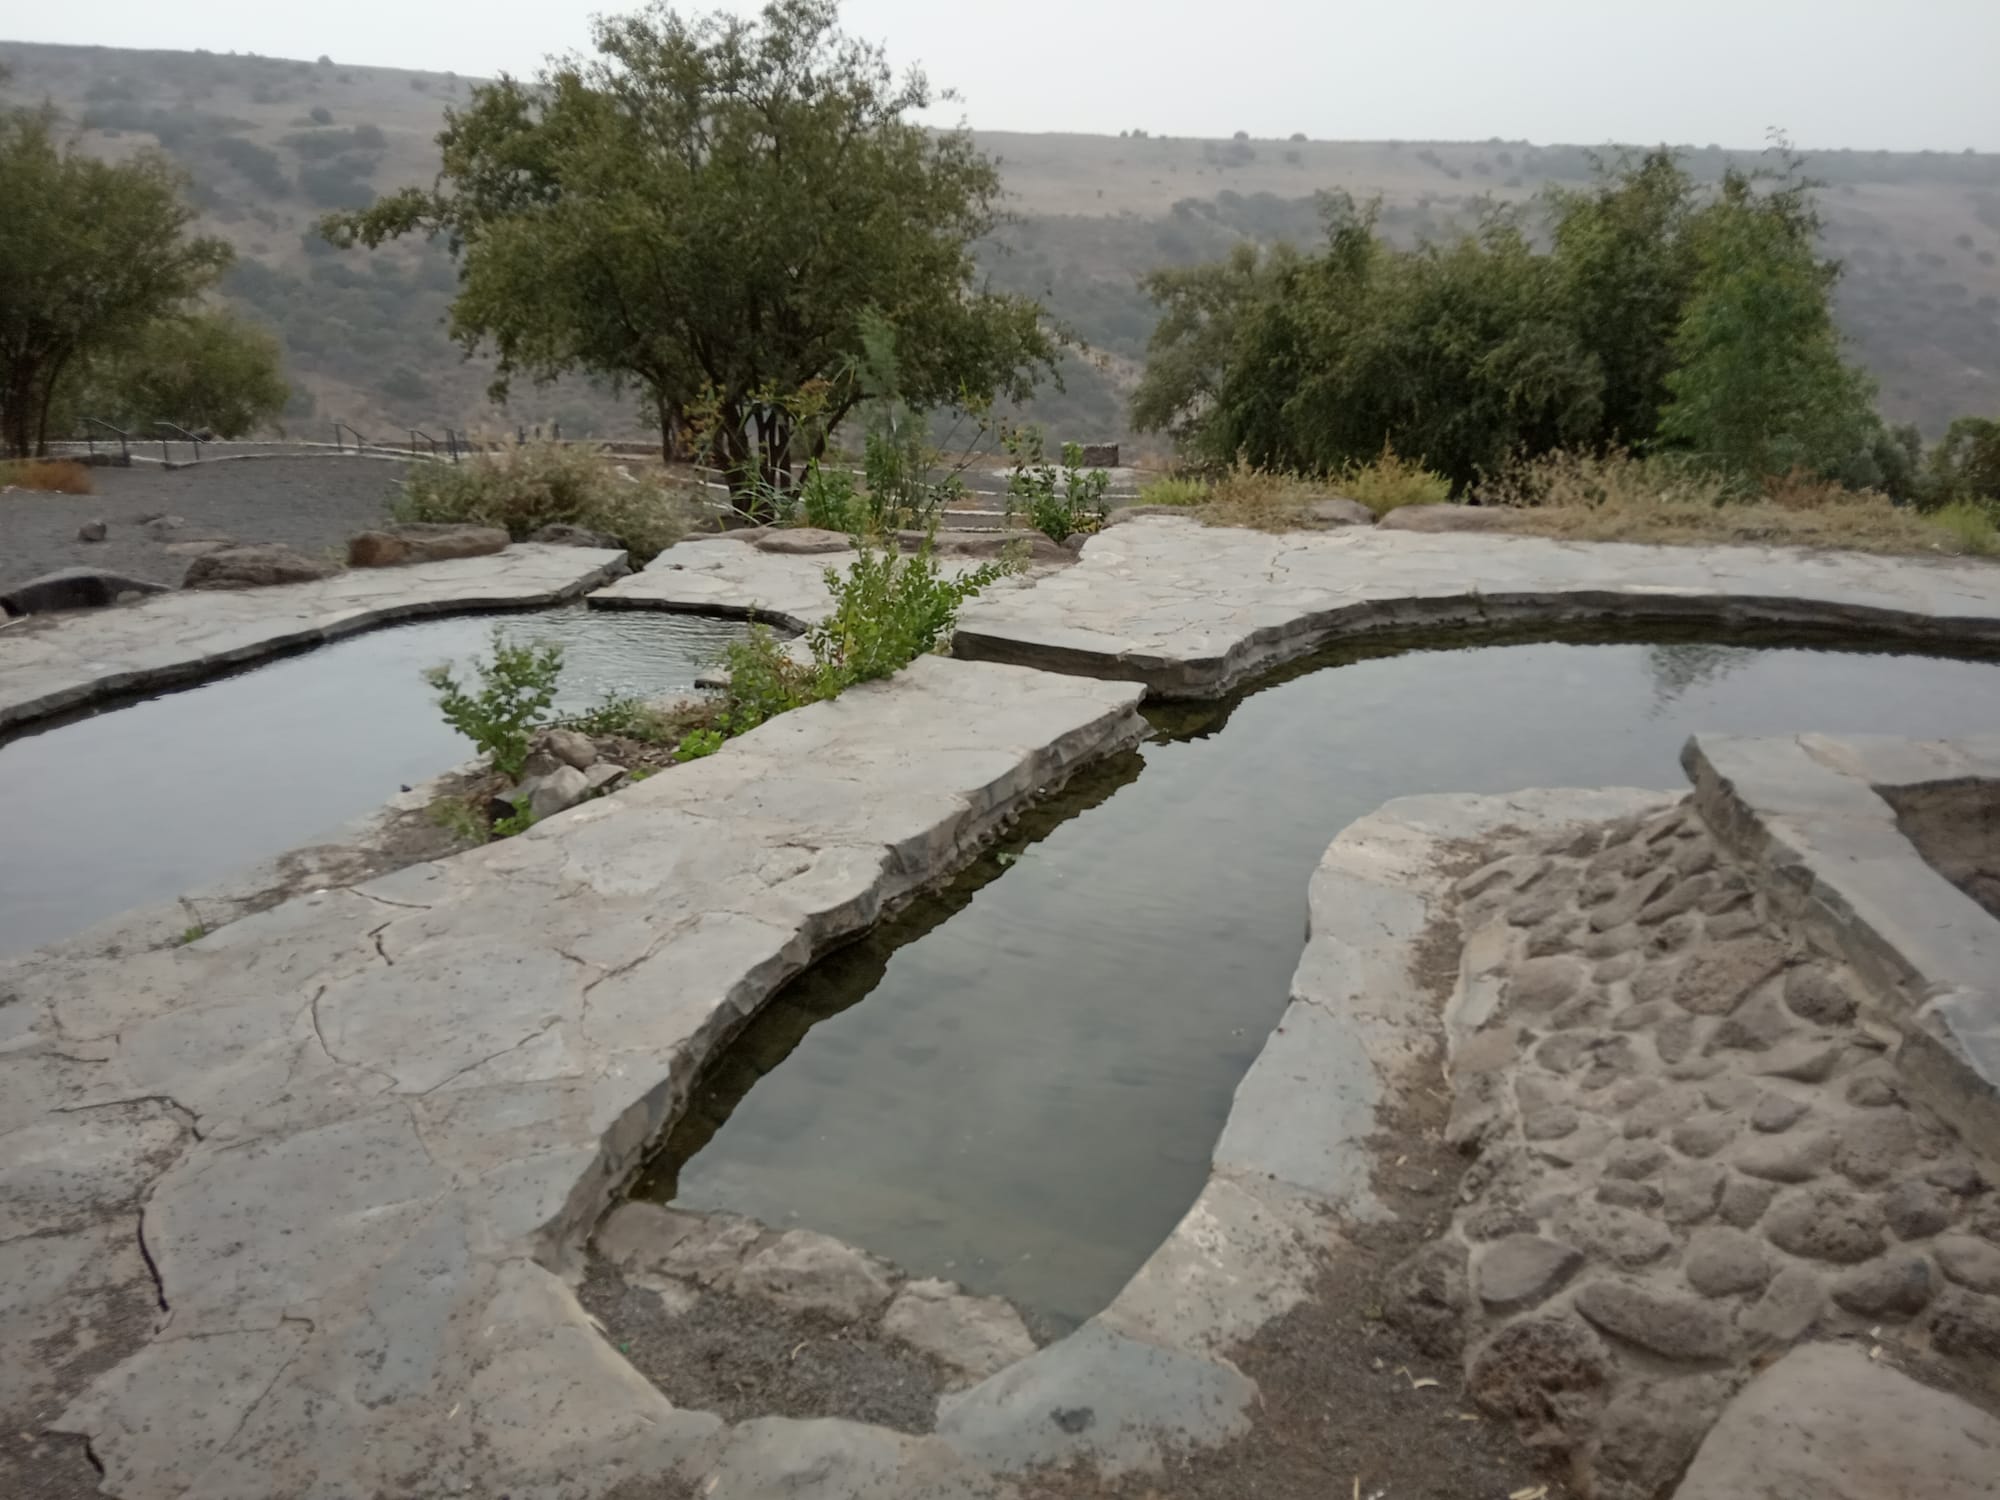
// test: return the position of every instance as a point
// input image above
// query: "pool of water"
(1018, 1084)
(139, 803)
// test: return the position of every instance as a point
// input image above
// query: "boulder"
(801, 541)
(73, 588)
(562, 534)
(1338, 510)
(979, 1336)
(1446, 518)
(255, 567)
(1099, 456)
(557, 792)
(92, 531)
(417, 542)
(571, 747)
(807, 1272)
(1830, 1422)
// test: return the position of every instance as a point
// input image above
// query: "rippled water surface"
(139, 803)
(1018, 1084)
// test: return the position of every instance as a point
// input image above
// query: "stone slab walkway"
(1191, 610)
(49, 664)
(284, 1208)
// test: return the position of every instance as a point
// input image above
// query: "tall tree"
(707, 210)
(203, 370)
(1760, 386)
(89, 253)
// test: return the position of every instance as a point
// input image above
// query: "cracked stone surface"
(1734, 1199)
(362, 1134)
(57, 662)
(1191, 610)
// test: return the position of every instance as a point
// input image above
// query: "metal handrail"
(186, 436)
(124, 437)
(418, 432)
(360, 442)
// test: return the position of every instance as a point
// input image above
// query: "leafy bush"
(699, 743)
(827, 499)
(1389, 481)
(1058, 507)
(888, 610)
(53, 476)
(511, 701)
(1175, 490)
(1972, 527)
(525, 486)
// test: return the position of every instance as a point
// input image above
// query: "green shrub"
(698, 743)
(888, 610)
(526, 486)
(511, 701)
(827, 499)
(1058, 506)
(624, 715)
(1971, 526)
(1174, 491)
(1388, 482)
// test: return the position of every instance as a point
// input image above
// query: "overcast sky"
(1896, 74)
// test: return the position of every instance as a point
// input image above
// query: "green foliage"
(624, 715)
(827, 499)
(1650, 309)
(1174, 490)
(510, 702)
(509, 824)
(205, 371)
(523, 487)
(1759, 386)
(1972, 525)
(88, 252)
(1057, 505)
(715, 203)
(192, 934)
(457, 816)
(889, 609)
(697, 744)
(1388, 481)
(1966, 465)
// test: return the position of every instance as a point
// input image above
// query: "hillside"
(271, 144)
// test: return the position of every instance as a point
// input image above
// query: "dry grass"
(52, 476)
(1390, 482)
(1260, 500)
(1618, 498)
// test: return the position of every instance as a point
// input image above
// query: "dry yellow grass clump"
(1619, 498)
(54, 476)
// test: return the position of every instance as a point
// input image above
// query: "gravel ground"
(313, 504)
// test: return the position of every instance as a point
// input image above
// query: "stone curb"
(1193, 611)
(1805, 812)
(180, 636)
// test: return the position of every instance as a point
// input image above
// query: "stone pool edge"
(265, 1339)
(1196, 612)
(1150, 1374)
(179, 637)
(1804, 812)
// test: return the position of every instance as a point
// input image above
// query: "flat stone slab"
(48, 666)
(1829, 1422)
(376, 1122)
(730, 575)
(1193, 610)
(1805, 811)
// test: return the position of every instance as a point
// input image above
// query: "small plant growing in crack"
(193, 934)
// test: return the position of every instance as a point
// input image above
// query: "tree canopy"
(707, 210)
(1643, 313)
(90, 253)
(203, 370)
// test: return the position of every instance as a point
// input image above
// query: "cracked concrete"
(53, 663)
(387, 1137)
(1192, 611)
